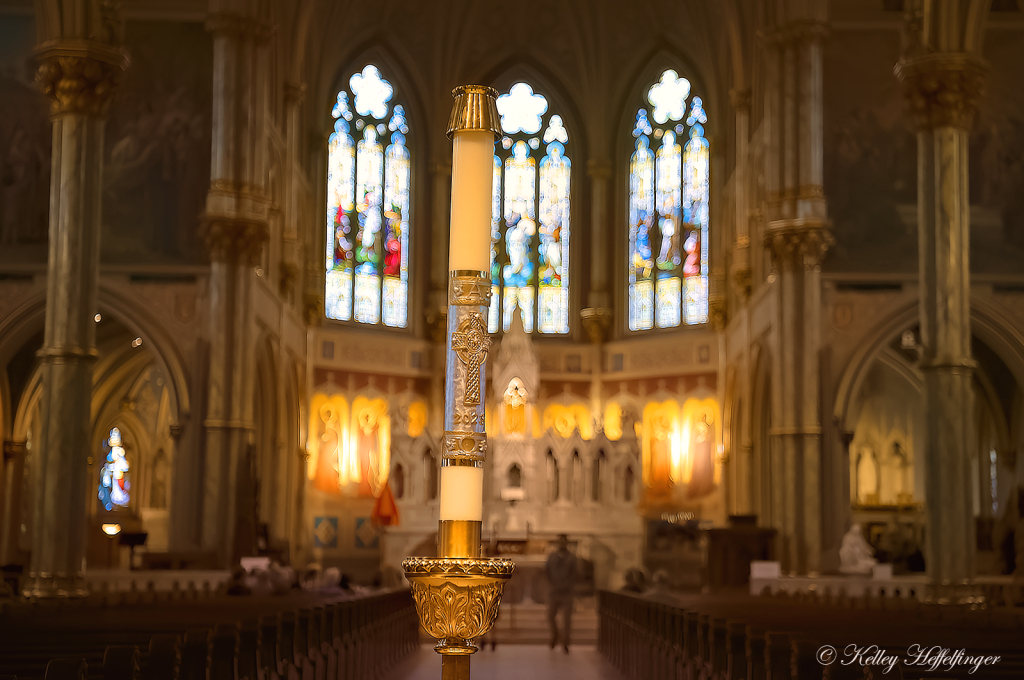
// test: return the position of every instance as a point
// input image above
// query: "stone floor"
(515, 662)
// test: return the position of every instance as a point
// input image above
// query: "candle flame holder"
(457, 594)
(457, 599)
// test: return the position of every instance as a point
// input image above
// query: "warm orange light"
(111, 529)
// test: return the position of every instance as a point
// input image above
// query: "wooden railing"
(356, 639)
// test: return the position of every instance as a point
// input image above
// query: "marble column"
(797, 236)
(79, 77)
(942, 90)
(235, 225)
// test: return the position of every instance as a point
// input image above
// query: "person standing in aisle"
(561, 572)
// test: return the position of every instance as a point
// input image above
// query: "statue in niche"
(867, 477)
(901, 478)
(702, 479)
(855, 554)
(629, 421)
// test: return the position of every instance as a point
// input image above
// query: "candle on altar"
(462, 493)
(472, 172)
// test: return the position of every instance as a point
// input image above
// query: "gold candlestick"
(457, 593)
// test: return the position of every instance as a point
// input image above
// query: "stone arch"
(986, 324)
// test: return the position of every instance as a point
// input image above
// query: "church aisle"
(514, 662)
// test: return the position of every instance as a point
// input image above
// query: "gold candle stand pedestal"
(457, 598)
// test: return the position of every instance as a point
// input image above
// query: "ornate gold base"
(457, 600)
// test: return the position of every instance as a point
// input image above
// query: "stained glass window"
(115, 485)
(668, 209)
(368, 170)
(530, 210)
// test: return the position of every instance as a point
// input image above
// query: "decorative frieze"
(465, 445)
(469, 290)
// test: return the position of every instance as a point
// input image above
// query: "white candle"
(462, 493)
(472, 174)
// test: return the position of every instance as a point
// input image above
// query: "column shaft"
(942, 90)
(944, 246)
(80, 82)
(68, 354)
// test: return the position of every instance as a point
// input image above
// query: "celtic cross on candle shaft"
(470, 344)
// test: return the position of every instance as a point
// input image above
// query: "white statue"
(855, 555)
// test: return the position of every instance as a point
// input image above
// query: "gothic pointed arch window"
(669, 191)
(368, 176)
(530, 211)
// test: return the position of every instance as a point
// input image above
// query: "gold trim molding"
(465, 445)
(466, 288)
(475, 109)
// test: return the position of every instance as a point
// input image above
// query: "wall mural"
(871, 169)
(24, 147)
(871, 174)
(997, 162)
(349, 445)
(680, 449)
(157, 165)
